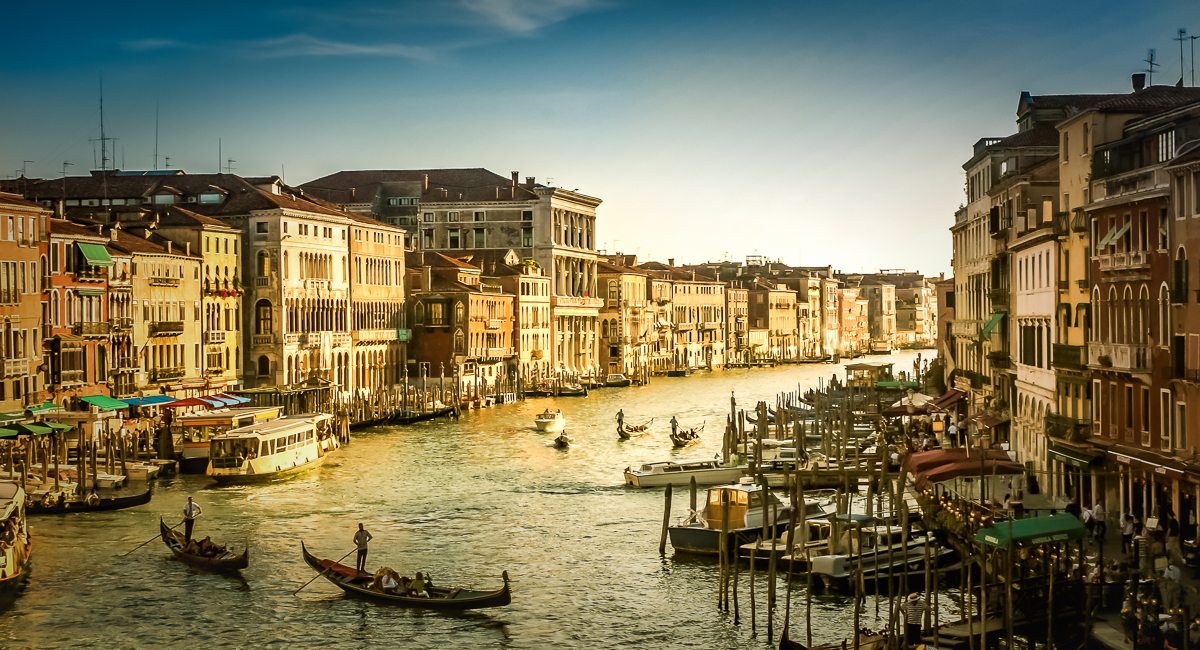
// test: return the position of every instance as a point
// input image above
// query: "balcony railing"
(1191, 374)
(262, 339)
(88, 273)
(213, 337)
(166, 328)
(90, 329)
(1069, 428)
(576, 301)
(16, 367)
(166, 374)
(126, 364)
(262, 282)
(162, 281)
(1119, 356)
(492, 323)
(122, 323)
(73, 376)
(1068, 357)
(340, 340)
(999, 298)
(1124, 261)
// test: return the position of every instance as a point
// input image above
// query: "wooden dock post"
(662, 540)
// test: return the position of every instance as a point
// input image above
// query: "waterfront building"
(458, 320)
(76, 335)
(660, 315)
(881, 313)
(944, 334)
(625, 327)
(737, 323)
(849, 343)
(22, 239)
(378, 326)
(472, 209)
(698, 315)
(773, 307)
(532, 330)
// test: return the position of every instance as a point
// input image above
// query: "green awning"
(44, 407)
(105, 403)
(1073, 457)
(897, 384)
(9, 433)
(1032, 531)
(58, 427)
(29, 429)
(96, 254)
(12, 415)
(991, 324)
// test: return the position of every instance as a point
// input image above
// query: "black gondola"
(358, 583)
(64, 506)
(625, 431)
(224, 562)
(409, 417)
(685, 437)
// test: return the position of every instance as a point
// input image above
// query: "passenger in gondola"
(417, 587)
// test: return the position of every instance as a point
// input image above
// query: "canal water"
(463, 500)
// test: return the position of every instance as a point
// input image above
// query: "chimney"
(670, 261)
(515, 176)
(187, 248)
(426, 182)
(1139, 81)
(168, 246)
(529, 180)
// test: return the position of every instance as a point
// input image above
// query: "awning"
(150, 400)
(991, 324)
(9, 433)
(1073, 457)
(190, 401)
(1032, 531)
(44, 407)
(29, 429)
(972, 467)
(943, 403)
(217, 401)
(924, 461)
(96, 254)
(983, 420)
(234, 399)
(56, 426)
(105, 403)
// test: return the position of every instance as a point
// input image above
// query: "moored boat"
(93, 503)
(272, 449)
(550, 420)
(706, 471)
(749, 506)
(221, 561)
(412, 417)
(15, 545)
(617, 380)
(883, 555)
(198, 429)
(358, 583)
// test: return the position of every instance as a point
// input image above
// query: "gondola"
(624, 430)
(866, 641)
(685, 437)
(357, 583)
(409, 417)
(224, 562)
(39, 507)
(563, 441)
(753, 420)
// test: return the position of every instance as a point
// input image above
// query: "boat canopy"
(1032, 531)
(927, 460)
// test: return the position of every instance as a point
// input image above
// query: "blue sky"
(827, 133)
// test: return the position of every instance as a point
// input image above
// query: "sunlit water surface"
(463, 500)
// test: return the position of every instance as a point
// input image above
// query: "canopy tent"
(6, 432)
(973, 467)
(105, 403)
(150, 400)
(56, 426)
(927, 460)
(217, 401)
(1032, 531)
(29, 429)
(901, 411)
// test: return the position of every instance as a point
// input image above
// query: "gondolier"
(674, 425)
(914, 612)
(191, 510)
(360, 540)
(620, 418)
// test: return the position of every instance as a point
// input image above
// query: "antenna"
(1150, 63)
(1181, 38)
(1193, 40)
(23, 164)
(156, 135)
(218, 155)
(229, 165)
(103, 139)
(166, 162)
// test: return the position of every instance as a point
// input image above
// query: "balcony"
(1125, 261)
(492, 323)
(263, 339)
(1119, 356)
(999, 298)
(122, 324)
(72, 376)
(159, 281)
(166, 374)
(16, 367)
(342, 340)
(90, 330)
(213, 371)
(166, 328)
(1191, 374)
(319, 285)
(212, 337)
(1064, 285)
(88, 273)
(712, 325)
(375, 335)
(684, 327)
(1083, 284)
(262, 283)
(1068, 357)
(576, 301)
(126, 364)
(1068, 428)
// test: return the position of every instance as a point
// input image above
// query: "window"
(428, 217)
(527, 237)
(479, 238)
(527, 215)
(164, 199)
(261, 226)
(262, 310)
(1166, 146)
(454, 236)
(453, 216)
(1066, 147)
(426, 239)
(210, 198)
(264, 366)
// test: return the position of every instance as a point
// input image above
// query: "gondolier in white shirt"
(674, 426)
(620, 418)
(191, 510)
(360, 540)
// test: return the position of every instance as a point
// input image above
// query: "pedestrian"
(1170, 586)
(1007, 502)
(191, 510)
(1098, 519)
(1088, 521)
(360, 540)
(914, 614)
(952, 434)
(1127, 534)
(1173, 549)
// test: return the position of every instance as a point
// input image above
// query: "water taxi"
(748, 507)
(15, 545)
(617, 380)
(550, 420)
(271, 449)
(706, 471)
(884, 554)
(197, 429)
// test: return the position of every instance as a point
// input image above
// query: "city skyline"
(646, 107)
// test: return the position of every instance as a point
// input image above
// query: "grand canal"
(463, 500)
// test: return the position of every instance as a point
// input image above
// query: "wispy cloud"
(306, 45)
(524, 16)
(156, 45)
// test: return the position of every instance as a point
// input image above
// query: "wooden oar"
(158, 536)
(325, 571)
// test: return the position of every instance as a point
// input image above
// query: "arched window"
(1127, 322)
(604, 330)
(1095, 314)
(1164, 315)
(1141, 333)
(1111, 310)
(262, 312)
(459, 311)
(264, 264)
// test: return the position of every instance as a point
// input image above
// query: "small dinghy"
(563, 441)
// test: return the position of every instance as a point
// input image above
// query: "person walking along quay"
(191, 510)
(360, 540)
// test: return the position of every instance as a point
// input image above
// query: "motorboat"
(617, 380)
(707, 471)
(751, 509)
(563, 441)
(550, 420)
(271, 449)
(197, 429)
(15, 545)
(882, 555)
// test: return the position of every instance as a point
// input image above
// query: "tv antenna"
(229, 165)
(1150, 63)
(1193, 40)
(155, 135)
(24, 163)
(166, 162)
(1181, 38)
(103, 139)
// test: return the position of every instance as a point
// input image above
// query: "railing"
(712, 325)
(166, 328)
(1121, 261)
(16, 367)
(1083, 284)
(73, 376)
(1119, 356)
(164, 374)
(126, 364)
(316, 284)
(213, 370)
(291, 339)
(492, 324)
(90, 329)
(374, 335)
(88, 273)
(263, 339)
(212, 337)
(262, 282)
(685, 326)
(122, 323)
(161, 281)
(576, 301)
(1067, 357)
(1064, 285)
(340, 340)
